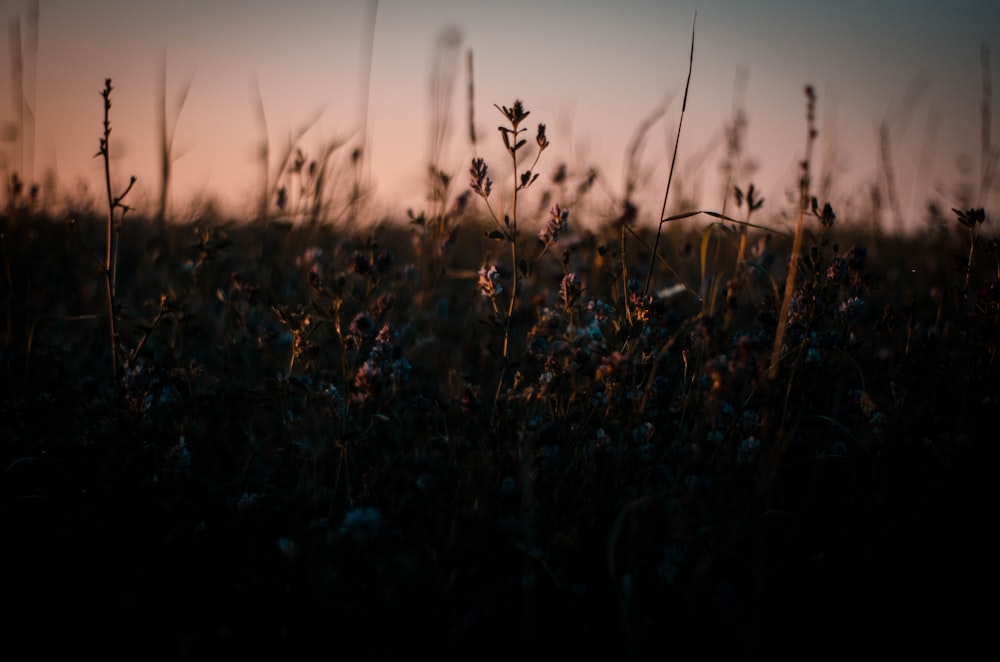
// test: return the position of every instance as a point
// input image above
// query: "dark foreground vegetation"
(312, 440)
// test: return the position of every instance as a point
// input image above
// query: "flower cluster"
(846, 269)
(361, 327)
(481, 184)
(385, 365)
(558, 222)
(570, 290)
(489, 282)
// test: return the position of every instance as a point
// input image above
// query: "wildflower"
(569, 290)
(366, 380)
(856, 256)
(988, 303)
(309, 256)
(178, 458)
(646, 431)
(362, 524)
(803, 302)
(516, 114)
(837, 272)
(540, 138)
(480, 184)
(593, 332)
(332, 399)
(399, 371)
(715, 436)
(382, 305)
(361, 327)
(360, 263)
(384, 360)
(312, 258)
(470, 397)
(244, 287)
(851, 308)
(645, 307)
(827, 216)
(558, 222)
(612, 366)
(489, 282)
(971, 218)
(546, 378)
(600, 309)
(248, 501)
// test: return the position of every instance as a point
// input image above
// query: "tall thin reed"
(471, 91)
(263, 152)
(23, 80)
(793, 263)
(167, 131)
(360, 153)
(673, 162)
(990, 153)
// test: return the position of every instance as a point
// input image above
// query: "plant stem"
(673, 162)
(108, 282)
(793, 264)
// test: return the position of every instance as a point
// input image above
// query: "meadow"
(491, 430)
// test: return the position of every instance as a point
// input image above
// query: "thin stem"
(109, 267)
(513, 252)
(793, 266)
(105, 152)
(673, 159)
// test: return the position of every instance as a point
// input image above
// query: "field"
(479, 434)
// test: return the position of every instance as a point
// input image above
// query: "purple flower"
(569, 290)
(361, 327)
(481, 184)
(558, 222)
(489, 282)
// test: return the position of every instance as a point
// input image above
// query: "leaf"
(713, 293)
(705, 237)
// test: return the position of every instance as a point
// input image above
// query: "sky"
(591, 71)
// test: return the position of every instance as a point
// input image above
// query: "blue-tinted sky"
(590, 70)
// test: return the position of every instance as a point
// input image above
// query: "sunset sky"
(591, 71)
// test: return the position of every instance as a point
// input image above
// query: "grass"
(304, 439)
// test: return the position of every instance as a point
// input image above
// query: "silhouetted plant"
(109, 265)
